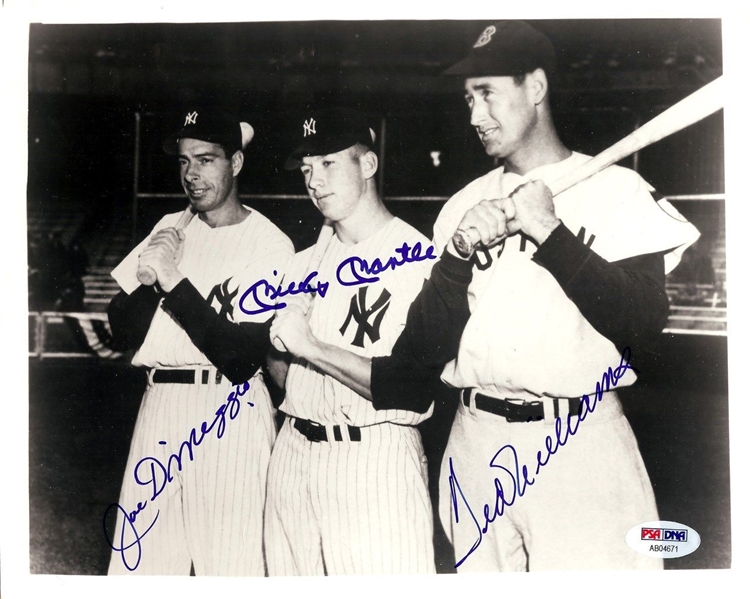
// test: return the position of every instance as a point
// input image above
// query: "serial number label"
(664, 548)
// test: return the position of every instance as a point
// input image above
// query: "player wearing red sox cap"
(560, 288)
(195, 481)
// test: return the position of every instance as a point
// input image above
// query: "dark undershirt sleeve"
(625, 301)
(130, 317)
(237, 350)
(434, 325)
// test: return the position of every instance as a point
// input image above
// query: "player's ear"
(537, 85)
(369, 163)
(238, 159)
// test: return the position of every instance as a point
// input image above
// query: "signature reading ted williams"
(505, 495)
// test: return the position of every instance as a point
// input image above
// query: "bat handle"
(146, 275)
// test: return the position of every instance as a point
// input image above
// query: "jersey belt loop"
(151, 372)
(548, 404)
(564, 404)
(473, 401)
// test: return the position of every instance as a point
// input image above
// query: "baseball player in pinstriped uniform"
(347, 485)
(199, 348)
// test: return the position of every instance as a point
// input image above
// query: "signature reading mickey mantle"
(262, 296)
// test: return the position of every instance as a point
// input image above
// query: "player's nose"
(478, 114)
(190, 173)
(315, 181)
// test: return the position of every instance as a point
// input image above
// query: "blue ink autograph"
(263, 289)
(356, 267)
(350, 272)
(150, 471)
(520, 480)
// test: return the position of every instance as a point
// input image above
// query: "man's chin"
(494, 150)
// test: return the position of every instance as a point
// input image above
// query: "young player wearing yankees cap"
(347, 486)
(206, 509)
(534, 477)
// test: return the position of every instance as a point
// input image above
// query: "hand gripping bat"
(692, 109)
(146, 274)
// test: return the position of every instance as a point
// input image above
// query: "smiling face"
(207, 174)
(336, 182)
(503, 112)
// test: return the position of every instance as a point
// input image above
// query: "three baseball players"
(194, 485)
(542, 470)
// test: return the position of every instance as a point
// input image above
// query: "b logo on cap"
(486, 36)
(190, 118)
(308, 127)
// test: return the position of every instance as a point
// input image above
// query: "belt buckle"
(520, 403)
(318, 430)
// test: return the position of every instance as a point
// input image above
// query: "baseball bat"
(146, 274)
(691, 109)
(324, 238)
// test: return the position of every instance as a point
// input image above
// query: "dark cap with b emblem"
(508, 48)
(327, 131)
(212, 126)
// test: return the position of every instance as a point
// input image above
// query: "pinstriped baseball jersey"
(364, 319)
(520, 316)
(351, 505)
(344, 507)
(211, 514)
(221, 263)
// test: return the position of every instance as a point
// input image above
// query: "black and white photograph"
(346, 299)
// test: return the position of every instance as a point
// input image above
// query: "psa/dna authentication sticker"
(663, 538)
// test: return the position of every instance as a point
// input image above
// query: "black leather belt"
(183, 377)
(317, 432)
(517, 410)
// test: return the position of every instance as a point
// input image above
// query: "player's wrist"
(170, 280)
(542, 230)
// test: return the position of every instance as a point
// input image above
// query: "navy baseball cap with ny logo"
(212, 126)
(327, 131)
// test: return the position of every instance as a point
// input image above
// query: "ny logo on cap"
(486, 36)
(309, 127)
(190, 118)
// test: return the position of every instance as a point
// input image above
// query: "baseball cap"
(327, 131)
(508, 48)
(211, 126)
